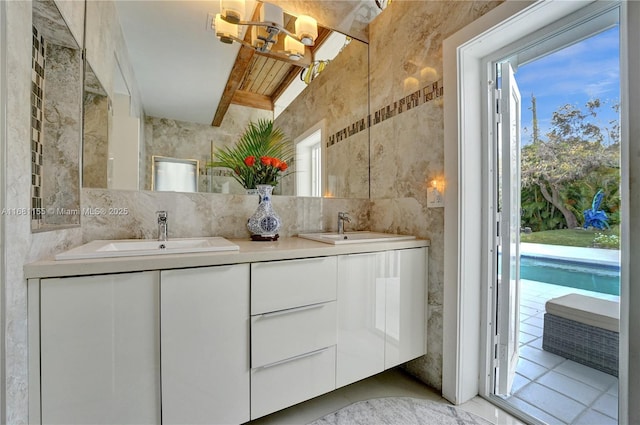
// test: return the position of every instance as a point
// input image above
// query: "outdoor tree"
(575, 149)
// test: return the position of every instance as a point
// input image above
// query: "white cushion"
(592, 311)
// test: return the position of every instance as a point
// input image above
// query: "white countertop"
(250, 252)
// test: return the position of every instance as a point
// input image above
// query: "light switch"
(434, 198)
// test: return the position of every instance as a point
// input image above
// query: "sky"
(584, 71)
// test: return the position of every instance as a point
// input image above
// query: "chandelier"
(266, 32)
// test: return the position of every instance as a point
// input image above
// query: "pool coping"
(606, 257)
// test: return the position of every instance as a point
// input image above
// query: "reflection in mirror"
(333, 95)
(336, 104)
(174, 175)
(95, 147)
(56, 104)
(124, 138)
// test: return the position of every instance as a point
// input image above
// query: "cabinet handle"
(291, 310)
(292, 260)
(292, 359)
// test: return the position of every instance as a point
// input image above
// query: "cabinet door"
(406, 302)
(361, 316)
(205, 345)
(100, 349)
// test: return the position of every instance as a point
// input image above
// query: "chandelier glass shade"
(265, 33)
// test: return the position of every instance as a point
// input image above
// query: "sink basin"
(134, 247)
(354, 237)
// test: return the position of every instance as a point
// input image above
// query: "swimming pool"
(582, 275)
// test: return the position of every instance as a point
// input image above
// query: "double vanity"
(218, 336)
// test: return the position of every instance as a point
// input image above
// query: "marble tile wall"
(407, 149)
(207, 214)
(62, 134)
(21, 246)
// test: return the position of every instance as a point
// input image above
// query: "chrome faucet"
(342, 217)
(163, 226)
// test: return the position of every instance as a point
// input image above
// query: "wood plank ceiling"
(257, 80)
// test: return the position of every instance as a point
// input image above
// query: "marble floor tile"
(552, 402)
(529, 311)
(526, 338)
(519, 382)
(530, 329)
(536, 343)
(591, 417)
(541, 357)
(529, 369)
(608, 405)
(535, 321)
(534, 411)
(391, 383)
(576, 390)
(589, 376)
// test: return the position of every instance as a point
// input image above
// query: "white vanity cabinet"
(361, 316)
(204, 319)
(222, 338)
(406, 306)
(99, 349)
(381, 311)
(293, 332)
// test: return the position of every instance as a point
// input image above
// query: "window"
(309, 163)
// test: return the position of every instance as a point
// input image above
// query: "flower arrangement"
(259, 157)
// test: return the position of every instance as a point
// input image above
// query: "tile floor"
(552, 388)
(391, 383)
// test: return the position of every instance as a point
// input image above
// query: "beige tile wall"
(408, 146)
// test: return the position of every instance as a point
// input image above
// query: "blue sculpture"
(594, 217)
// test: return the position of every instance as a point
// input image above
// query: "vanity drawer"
(280, 285)
(287, 333)
(283, 384)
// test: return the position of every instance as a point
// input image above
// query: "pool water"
(589, 276)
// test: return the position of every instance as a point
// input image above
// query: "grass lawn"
(566, 237)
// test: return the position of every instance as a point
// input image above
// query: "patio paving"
(549, 387)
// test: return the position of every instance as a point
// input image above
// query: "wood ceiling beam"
(323, 34)
(286, 81)
(252, 100)
(240, 68)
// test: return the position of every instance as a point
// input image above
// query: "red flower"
(283, 166)
(266, 160)
(250, 160)
(275, 162)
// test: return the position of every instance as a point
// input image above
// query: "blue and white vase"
(264, 223)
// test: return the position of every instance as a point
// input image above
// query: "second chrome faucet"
(342, 217)
(163, 226)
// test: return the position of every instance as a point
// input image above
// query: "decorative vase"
(264, 223)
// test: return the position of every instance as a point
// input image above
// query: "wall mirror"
(56, 129)
(337, 97)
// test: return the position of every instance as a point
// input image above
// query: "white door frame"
(467, 246)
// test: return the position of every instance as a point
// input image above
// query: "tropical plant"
(260, 156)
(577, 158)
